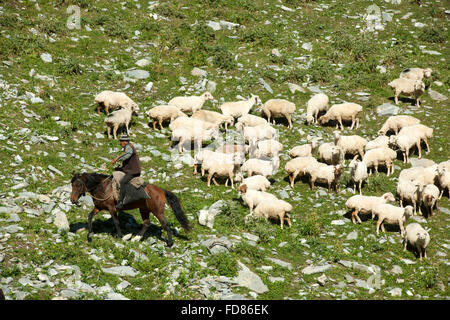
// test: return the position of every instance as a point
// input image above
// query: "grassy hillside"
(48, 121)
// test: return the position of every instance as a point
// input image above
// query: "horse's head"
(78, 188)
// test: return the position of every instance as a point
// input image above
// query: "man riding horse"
(131, 166)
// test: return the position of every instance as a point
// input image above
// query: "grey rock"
(387, 109)
(276, 279)
(396, 292)
(322, 280)
(13, 228)
(352, 235)
(70, 293)
(416, 162)
(247, 278)
(281, 263)
(60, 220)
(199, 72)
(137, 74)
(295, 87)
(316, 269)
(53, 169)
(211, 86)
(307, 46)
(214, 25)
(217, 245)
(121, 271)
(396, 269)
(46, 57)
(143, 62)
(149, 86)
(265, 85)
(228, 25)
(250, 236)
(123, 285)
(115, 296)
(436, 95)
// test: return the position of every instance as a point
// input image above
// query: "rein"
(95, 198)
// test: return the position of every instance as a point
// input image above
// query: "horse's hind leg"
(116, 223)
(146, 221)
(165, 225)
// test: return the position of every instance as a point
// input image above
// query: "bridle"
(85, 189)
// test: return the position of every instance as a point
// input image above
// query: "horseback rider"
(131, 166)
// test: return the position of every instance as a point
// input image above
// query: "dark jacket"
(132, 165)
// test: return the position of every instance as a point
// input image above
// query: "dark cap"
(124, 137)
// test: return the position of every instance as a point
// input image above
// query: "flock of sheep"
(416, 185)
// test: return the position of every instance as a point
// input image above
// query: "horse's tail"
(174, 203)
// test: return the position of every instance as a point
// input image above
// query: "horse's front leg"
(91, 214)
(116, 221)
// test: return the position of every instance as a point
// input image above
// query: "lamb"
(418, 237)
(200, 156)
(113, 100)
(365, 204)
(297, 166)
(350, 144)
(416, 73)
(278, 108)
(426, 175)
(358, 171)
(342, 112)
(261, 132)
(278, 209)
(430, 196)
(256, 182)
(410, 191)
(324, 173)
(306, 150)
(213, 117)
(252, 197)
(163, 113)
(262, 167)
(396, 123)
(269, 148)
(191, 103)
(250, 120)
(198, 135)
(238, 109)
(117, 119)
(380, 156)
(190, 123)
(331, 154)
(390, 214)
(419, 130)
(443, 177)
(379, 142)
(317, 103)
(405, 143)
(407, 87)
(227, 170)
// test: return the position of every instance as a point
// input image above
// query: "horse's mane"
(93, 179)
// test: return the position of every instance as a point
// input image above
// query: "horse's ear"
(73, 172)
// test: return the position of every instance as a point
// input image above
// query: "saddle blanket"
(134, 190)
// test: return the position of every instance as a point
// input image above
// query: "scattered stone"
(149, 86)
(322, 280)
(396, 292)
(265, 85)
(214, 25)
(307, 46)
(46, 57)
(199, 72)
(137, 74)
(387, 109)
(60, 220)
(352, 235)
(316, 269)
(206, 217)
(436, 95)
(247, 278)
(396, 269)
(276, 53)
(121, 271)
(143, 62)
(281, 263)
(295, 87)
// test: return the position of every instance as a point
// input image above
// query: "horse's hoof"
(89, 236)
(170, 244)
(136, 238)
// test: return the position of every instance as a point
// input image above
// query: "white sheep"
(200, 156)
(218, 168)
(262, 167)
(277, 209)
(396, 123)
(358, 172)
(250, 120)
(186, 122)
(331, 154)
(117, 119)
(444, 164)
(256, 182)
(416, 73)
(209, 159)
(317, 103)
(191, 103)
(254, 134)
(297, 166)
(324, 173)
(419, 130)
(430, 196)
(238, 109)
(418, 237)
(163, 113)
(353, 144)
(113, 100)
(380, 156)
(426, 175)
(269, 148)
(365, 204)
(198, 135)
(213, 117)
(346, 111)
(252, 197)
(390, 214)
(405, 143)
(410, 191)
(233, 148)
(306, 150)
(278, 108)
(407, 87)
(379, 142)
(443, 178)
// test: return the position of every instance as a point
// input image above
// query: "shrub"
(222, 58)
(224, 263)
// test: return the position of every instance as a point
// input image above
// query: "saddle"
(134, 190)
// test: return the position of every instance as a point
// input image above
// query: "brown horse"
(100, 188)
